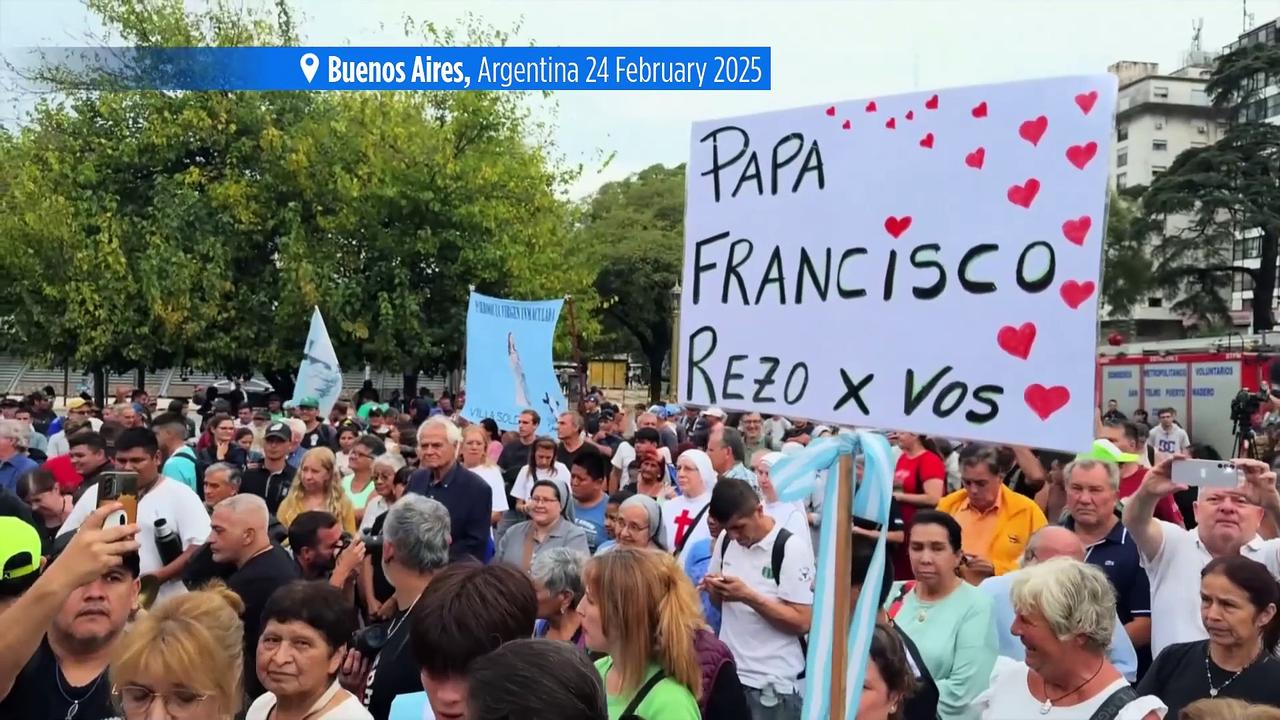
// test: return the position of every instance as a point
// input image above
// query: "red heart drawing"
(927, 140)
(976, 158)
(831, 111)
(847, 125)
(911, 115)
(1080, 155)
(931, 103)
(1074, 294)
(895, 226)
(892, 123)
(980, 110)
(1045, 401)
(1017, 341)
(1086, 100)
(871, 106)
(1025, 193)
(1033, 130)
(1076, 230)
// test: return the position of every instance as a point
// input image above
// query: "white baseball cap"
(715, 412)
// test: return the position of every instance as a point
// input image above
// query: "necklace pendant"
(1045, 707)
(921, 616)
(71, 711)
(1213, 692)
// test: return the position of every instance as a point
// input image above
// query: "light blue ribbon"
(795, 477)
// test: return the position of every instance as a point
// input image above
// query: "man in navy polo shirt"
(467, 496)
(1092, 488)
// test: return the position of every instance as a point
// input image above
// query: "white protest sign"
(926, 262)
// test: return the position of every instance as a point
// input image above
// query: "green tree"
(1212, 197)
(636, 229)
(148, 229)
(1126, 276)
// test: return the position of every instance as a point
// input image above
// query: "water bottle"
(168, 543)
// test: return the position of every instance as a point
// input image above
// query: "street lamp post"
(675, 340)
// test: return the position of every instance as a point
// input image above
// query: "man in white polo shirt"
(1227, 523)
(762, 579)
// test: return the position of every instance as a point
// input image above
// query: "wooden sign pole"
(842, 515)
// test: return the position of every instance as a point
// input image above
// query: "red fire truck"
(1198, 378)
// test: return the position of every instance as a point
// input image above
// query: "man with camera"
(240, 538)
(323, 551)
(415, 546)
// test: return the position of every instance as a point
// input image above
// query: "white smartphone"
(1205, 473)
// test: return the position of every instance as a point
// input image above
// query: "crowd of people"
(406, 561)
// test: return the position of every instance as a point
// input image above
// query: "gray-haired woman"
(557, 576)
(1065, 617)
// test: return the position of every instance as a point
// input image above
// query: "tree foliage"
(636, 227)
(149, 229)
(1126, 276)
(1212, 197)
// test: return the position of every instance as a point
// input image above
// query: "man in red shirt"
(1124, 438)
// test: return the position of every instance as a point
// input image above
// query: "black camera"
(370, 541)
(1244, 406)
(370, 640)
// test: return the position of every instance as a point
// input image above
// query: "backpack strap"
(779, 554)
(896, 605)
(685, 540)
(654, 679)
(1114, 703)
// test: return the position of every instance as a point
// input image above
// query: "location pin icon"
(309, 63)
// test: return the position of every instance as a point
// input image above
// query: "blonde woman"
(477, 459)
(642, 611)
(318, 487)
(165, 658)
(1227, 709)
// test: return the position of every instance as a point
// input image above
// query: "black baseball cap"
(279, 431)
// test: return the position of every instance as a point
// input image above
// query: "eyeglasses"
(136, 700)
(365, 456)
(543, 500)
(633, 528)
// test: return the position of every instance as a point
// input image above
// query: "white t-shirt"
(350, 709)
(678, 514)
(492, 475)
(1168, 443)
(1009, 698)
(522, 488)
(169, 499)
(373, 509)
(622, 458)
(765, 655)
(1175, 582)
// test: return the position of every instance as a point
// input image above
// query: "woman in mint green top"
(950, 621)
(641, 609)
(359, 484)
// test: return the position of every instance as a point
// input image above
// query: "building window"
(1160, 91)
(1122, 181)
(1122, 159)
(1155, 302)
(1157, 170)
(1241, 282)
(1273, 106)
(1122, 133)
(1198, 143)
(1252, 247)
(1159, 145)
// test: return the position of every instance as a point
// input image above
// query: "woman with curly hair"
(318, 487)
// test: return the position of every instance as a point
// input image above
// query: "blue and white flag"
(509, 361)
(319, 376)
(794, 477)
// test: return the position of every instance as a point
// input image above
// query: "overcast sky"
(821, 51)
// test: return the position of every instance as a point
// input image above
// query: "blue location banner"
(509, 361)
(418, 68)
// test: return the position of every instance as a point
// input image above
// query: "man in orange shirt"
(995, 521)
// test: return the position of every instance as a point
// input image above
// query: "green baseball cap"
(307, 401)
(19, 549)
(1106, 451)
